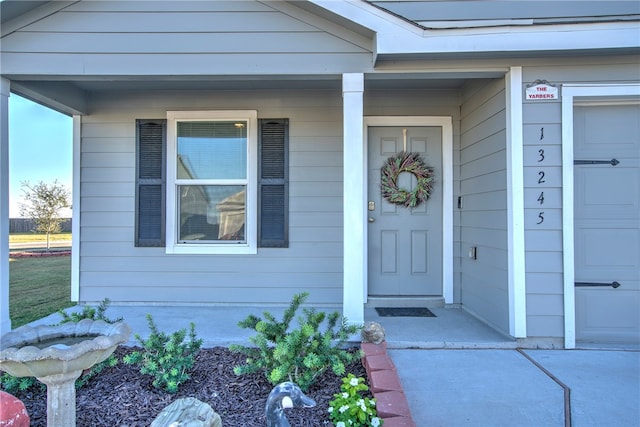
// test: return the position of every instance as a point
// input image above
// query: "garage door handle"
(613, 284)
(611, 162)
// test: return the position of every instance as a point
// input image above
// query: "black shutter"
(151, 136)
(273, 184)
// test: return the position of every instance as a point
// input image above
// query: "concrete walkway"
(505, 388)
(457, 371)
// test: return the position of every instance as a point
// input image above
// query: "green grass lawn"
(37, 237)
(38, 286)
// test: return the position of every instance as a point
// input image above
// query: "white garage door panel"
(607, 223)
(596, 196)
(607, 317)
(622, 254)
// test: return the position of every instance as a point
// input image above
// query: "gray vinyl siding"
(112, 267)
(183, 38)
(483, 216)
(543, 242)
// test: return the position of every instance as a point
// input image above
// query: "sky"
(40, 148)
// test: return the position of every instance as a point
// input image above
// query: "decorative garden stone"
(285, 395)
(372, 332)
(12, 411)
(187, 412)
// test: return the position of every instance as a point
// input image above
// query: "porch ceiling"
(69, 94)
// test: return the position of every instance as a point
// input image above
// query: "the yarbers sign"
(541, 91)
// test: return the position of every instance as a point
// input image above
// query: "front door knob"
(371, 219)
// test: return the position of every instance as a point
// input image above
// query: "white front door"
(606, 222)
(405, 244)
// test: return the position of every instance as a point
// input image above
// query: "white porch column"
(354, 199)
(515, 201)
(5, 320)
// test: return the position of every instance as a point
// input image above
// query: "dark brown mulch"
(121, 396)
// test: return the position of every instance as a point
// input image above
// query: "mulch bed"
(121, 396)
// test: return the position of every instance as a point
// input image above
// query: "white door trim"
(572, 94)
(447, 186)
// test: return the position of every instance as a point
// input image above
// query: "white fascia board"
(34, 15)
(368, 16)
(397, 36)
(514, 39)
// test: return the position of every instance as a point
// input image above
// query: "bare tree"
(43, 203)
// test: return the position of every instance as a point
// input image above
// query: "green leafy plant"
(350, 409)
(12, 384)
(168, 358)
(96, 369)
(89, 312)
(300, 355)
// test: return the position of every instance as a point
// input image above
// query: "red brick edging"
(38, 254)
(385, 385)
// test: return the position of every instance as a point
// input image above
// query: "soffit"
(475, 13)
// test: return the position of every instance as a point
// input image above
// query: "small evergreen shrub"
(168, 358)
(12, 384)
(300, 355)
(89, 313)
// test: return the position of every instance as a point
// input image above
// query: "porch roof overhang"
(399, 38)
(406, 54)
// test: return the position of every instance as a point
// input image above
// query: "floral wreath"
(411, 163)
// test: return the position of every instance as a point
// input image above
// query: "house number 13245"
(541, 179)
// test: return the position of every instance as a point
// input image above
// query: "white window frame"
(172, 217)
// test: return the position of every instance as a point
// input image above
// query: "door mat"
(404, 312)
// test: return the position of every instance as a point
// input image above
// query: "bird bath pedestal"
(56, 356)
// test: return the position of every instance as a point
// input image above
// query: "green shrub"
(12, 384)
(166, 357)
(89, 313)
(300, 355)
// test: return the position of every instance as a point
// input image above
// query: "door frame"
(572, 95)
(446, 123)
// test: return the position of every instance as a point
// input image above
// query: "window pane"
(212, 150)
(212, 213)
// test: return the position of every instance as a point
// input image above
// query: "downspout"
(5, 320)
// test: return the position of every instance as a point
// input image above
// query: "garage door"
(606, 223)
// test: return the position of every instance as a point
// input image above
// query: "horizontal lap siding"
(483, 213)
(543, 241)
(188, 38)
(112, 267)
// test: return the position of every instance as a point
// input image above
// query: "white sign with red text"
(541, 92)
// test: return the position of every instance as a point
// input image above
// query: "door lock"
(372, 205)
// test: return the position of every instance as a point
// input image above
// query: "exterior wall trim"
(447, 184)
(571, 93)
(5, 320)
(76, 211)
(515, 209)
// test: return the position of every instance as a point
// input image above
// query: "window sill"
(204, 249)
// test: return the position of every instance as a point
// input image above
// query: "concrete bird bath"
(56, 356)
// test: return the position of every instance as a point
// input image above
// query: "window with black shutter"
(150, 182)
(273, 189)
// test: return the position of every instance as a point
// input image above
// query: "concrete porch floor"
(454, 369)
(218, 325)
